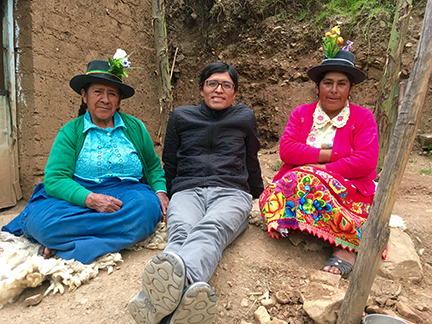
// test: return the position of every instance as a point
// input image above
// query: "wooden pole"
(376, 230)
(165, 100)
(386, 106)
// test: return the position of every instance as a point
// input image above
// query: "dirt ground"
(250, 266)
(272, 57)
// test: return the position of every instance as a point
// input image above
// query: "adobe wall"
(54, 41)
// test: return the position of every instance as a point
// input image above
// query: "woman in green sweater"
(104, 188)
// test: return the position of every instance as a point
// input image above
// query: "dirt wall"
(272, 55)
(55, 41)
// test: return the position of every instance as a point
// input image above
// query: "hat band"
(338, 59)
(104, 72)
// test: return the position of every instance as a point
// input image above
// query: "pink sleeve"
(293, 148)
(364, 156)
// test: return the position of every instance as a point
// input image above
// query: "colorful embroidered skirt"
(317, 201)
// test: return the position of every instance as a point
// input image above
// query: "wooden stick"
(172, 67)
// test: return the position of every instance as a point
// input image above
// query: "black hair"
(83, 107)
(218, 67)
(323, 74)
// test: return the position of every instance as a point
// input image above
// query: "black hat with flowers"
(108, 72)
(336, 60)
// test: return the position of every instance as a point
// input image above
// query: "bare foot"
(48, 253)
(343, 255)
(274, 234)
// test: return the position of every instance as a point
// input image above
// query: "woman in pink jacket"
(330, 151)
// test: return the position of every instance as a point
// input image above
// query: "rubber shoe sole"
(197, 306)
(163, 280)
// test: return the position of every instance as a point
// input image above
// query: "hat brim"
(358, 75)
(79, 81)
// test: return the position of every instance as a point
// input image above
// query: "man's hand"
(103, 203)
(164, 204)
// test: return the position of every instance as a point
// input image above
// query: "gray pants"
(202, 222)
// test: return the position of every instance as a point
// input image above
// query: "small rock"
(390, 302)
(408, 45)
(381, 300)
(421, 251)
(33, 300)
(262, 316)
(382, 24)
(409, 313)
(326, 278)
(297, 76)
(282, 297)
(296, 239)
(268, 303)
(244, 302)
(230, 283)
(422, 308)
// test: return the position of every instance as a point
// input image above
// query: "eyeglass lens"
(226, 85)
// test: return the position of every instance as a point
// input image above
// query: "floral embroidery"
(324, 129)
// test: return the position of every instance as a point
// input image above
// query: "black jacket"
(209, 148)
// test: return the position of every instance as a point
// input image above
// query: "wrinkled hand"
(164, 204)
(274, 234)
(325, 155)
(103, 203)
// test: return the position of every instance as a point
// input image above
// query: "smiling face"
(218, 98)
(333, 92)
(102, 102)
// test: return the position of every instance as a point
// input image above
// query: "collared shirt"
(107, 153)
(324, 129)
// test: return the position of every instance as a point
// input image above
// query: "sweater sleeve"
(364, 155)
(59, 170)
(293, 148)
(252, 146)
(169, 155)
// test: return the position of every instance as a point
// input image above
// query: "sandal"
(344, 266)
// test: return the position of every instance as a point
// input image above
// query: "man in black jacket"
(212, 172)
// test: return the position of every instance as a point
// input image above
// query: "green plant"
(276, 166)
(352, 11)
(213, 8)
(426, 171)
(428, 151)
(281, 16)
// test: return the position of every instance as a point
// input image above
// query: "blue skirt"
(83, 234)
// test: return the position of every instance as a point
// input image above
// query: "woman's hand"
(103, 203)
(164, 204)
(325, 155)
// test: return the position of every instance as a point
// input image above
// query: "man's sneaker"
(163, 280)
(197, 306)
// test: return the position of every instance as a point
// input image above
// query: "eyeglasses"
(213, 84)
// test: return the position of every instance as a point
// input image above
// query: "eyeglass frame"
(220, 84)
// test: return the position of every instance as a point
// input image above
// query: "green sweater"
(67, 146)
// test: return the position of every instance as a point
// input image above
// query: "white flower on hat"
(119, 62)
(121, 54)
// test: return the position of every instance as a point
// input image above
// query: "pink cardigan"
(355, 147)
